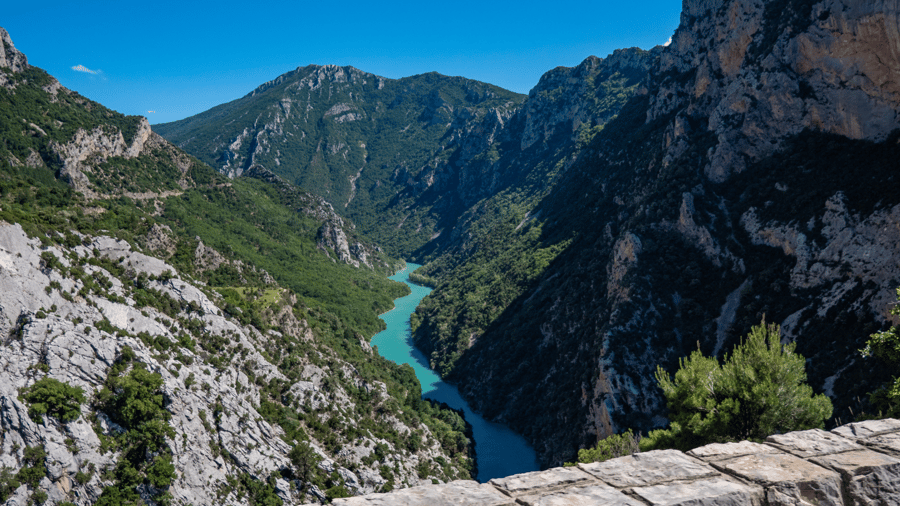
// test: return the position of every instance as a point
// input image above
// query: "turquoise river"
(500, 451)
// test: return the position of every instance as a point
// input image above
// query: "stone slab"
(542, 481)
(707, 492)
(650, 468)
(869, 477)
(788, 480)
(455, 493)
(719, 451)
(812, 443)
(888, 443)
(591, 495)
(868, 428)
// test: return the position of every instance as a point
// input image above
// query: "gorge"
(499, 451)
(226, 271)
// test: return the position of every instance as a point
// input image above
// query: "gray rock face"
(10, 57)
(835, 470)
(824, 76)
(49, 329)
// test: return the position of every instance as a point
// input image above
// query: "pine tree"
(759, 390)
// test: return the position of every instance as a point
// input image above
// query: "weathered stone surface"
(716, 451)
(542, 481)
(889, 443)
(812, 443)
(788, 480)
(708, 492)
(868, 428)
(867, 475)
(651, 468)
(455, 493)
(597, 493)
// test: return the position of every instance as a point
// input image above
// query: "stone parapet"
(855, 464)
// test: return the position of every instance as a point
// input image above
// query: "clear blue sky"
(181, 58)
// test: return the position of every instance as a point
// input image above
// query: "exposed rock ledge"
(855, 464)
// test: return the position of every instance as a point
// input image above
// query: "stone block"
(707, 492)
(591, 495)
(888, 443)
(651, 468)
(869, 477)
(812, 443)
(542, 482)
(455, 493)
(722, 451)
(787, 480)
(868, 428)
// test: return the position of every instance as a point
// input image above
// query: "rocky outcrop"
(755, 167)
(853, 465)
(11, 57)
(88, 149)
(54, 326)
(332, 236)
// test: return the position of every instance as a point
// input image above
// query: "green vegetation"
(758, 390)
(132, 397)
(52, 397)
(616, 445)
(506, 262)
(403, 125)
(886, 346)
(508, 242)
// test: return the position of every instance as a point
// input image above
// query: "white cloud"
(82, 68)
(668, 41)
(152, 112)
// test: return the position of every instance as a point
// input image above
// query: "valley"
(232, 272)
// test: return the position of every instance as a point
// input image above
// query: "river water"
(500, 451)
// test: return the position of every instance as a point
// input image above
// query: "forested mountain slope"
(367, 144)
(173, 336)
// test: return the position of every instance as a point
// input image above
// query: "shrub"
(886, 346)
(616, 445)
(759, 390)
(54, 398)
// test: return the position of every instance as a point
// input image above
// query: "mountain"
(173, 336)
(354, 138)
(752, 177)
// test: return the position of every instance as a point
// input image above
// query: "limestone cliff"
(752, 176)
(56, 328)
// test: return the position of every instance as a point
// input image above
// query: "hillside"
(173, 336)
(354, 138)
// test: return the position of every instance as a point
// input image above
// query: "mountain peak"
(316, 74)
(10, 56)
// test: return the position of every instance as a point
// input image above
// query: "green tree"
(759, 390)
(55, 398)
(305, 460)
(886, 346)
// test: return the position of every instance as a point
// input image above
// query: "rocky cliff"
(56, 326)
(752, 177)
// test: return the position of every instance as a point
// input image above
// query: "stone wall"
(855, 464)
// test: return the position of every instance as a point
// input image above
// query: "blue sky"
(181, 58)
